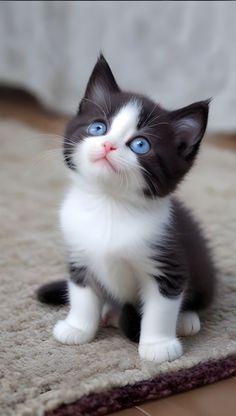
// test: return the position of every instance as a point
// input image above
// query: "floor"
(213, 400)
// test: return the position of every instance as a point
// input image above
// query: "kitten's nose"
(109, 146)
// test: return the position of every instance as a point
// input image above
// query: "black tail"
(55, 293)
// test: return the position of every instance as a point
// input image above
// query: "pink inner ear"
(188, 123)
(188, 128)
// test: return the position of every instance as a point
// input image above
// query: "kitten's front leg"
(158, 340)
(82, 321)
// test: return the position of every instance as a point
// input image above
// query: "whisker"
(105, 101)
(154, 184)
(55, 139)
(133, 174)
(123, 163)
(157, 124)
(98, 105)
(153, 135)
(149, 115)
(155, 118)
(121, 176)
(110, 107)
(42, 159)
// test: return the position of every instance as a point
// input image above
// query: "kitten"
(136, 256)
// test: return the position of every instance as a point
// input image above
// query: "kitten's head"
(127, 142)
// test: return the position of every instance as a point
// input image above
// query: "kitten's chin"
(104, 174)
(100, 172)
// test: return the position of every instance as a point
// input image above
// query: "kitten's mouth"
(106, 162)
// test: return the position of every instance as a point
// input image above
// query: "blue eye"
(97, 128)
(140, 145)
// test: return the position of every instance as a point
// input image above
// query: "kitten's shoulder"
(182, 214)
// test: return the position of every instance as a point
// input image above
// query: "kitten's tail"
(54, 293)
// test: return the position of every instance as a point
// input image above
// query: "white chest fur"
(112, 237)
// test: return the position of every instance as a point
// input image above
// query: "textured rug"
(38, 374)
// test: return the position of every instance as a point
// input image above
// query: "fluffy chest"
(111, 238)
(104, 226)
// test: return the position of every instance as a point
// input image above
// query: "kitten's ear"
(189, 124)
(101, 81)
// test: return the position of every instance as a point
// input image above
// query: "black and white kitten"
(135, 253)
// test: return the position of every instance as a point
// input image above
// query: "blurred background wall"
(177, 52)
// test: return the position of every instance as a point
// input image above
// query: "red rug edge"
(166, 384)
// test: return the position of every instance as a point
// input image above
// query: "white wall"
(177, 52)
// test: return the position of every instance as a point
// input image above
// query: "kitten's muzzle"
(106, 148)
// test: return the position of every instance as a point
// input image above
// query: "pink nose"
(109, 146)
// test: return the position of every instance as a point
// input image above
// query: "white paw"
(188, 324)
(161, 351)
(67, 334)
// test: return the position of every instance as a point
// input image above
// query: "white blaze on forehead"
(125, 121)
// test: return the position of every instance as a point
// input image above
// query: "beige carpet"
(38, 373)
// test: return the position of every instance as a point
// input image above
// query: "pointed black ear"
(189, 124)
(101, 81)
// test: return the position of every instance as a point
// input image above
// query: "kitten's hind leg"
(81, 324)
(130, 322)
(110, 316)
(188, 324)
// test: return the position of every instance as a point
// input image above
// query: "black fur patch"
(77, 274)
(185, 260)
(54, 293)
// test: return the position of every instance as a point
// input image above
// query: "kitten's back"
(201, 286)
